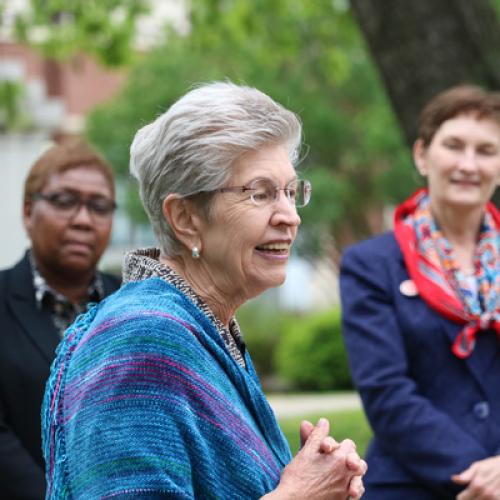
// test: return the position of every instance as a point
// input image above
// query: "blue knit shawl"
(144, 401)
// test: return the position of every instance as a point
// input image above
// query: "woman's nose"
(82, 216)
(468, 160)
(286, 212)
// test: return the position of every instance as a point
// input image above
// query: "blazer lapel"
(35, 323)
(486, 350)
(487, 346)
(111, 284)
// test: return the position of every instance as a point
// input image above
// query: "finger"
(348, 445)
(306, 428)
(356, 488)
(362, 467)
(465, 495)
(460, 479)
(320, 431)
(328, 445)
(354, 463)
(464, 477)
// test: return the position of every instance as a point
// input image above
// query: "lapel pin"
(408, 288)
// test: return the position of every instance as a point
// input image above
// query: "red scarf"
(432, 282)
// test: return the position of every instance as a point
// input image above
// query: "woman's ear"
(27, 211)
(184, 219)
(420, 157)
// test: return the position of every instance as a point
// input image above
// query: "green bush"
(262, 327)
(311, 354)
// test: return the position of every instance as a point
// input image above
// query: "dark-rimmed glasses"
(69, 203)
(265, 191)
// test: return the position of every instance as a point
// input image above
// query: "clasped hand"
(322, 469)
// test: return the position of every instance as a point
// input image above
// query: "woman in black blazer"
(67, 212)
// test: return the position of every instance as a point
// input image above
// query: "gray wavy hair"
(193, 145)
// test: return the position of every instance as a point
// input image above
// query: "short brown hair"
(462, 99)
(71, 153)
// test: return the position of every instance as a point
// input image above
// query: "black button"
(482, 410)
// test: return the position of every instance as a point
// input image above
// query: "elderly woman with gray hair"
(153, 394)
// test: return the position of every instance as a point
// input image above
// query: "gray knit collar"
(145, 263)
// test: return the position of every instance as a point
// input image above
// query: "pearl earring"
(195, 252)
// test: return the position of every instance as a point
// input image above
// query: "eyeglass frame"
(277, 189)
(85, 201)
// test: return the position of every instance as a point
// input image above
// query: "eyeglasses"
(265, 191)
(69, 203)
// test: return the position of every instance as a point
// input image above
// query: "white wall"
(17, 154)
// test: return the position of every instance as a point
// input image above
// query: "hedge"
(311, 353)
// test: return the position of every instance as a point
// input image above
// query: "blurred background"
(356, 72)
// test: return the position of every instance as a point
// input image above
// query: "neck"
(222, 304)
(73, 286)
(461, 228)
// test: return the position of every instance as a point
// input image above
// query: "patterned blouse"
(144, 263)
(62, 311)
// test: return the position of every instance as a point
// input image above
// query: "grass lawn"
(343, 424)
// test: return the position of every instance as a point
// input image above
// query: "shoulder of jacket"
(11, 273)
(381, 246)
(111, 280)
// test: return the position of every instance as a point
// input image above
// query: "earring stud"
(195, 252)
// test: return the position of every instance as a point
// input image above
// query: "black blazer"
(28, 340)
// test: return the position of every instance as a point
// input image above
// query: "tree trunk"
(424, 46)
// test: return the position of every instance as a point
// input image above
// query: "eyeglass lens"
(265, 191)
(68, 202)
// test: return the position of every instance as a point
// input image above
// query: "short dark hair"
(71, 153)
(462, 99)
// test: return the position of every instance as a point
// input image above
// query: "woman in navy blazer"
(421, 315)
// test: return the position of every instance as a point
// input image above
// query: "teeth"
(274, 246)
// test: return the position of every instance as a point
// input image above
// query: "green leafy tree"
(11, 116)
(61, 29)
(307, 55)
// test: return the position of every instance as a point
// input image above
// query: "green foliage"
(294, 351)
(11, 115)
(350, 424)
(60, 29)
(262, 328)
(311, 354)
(496, 5)
(308, 56)
(154, 84)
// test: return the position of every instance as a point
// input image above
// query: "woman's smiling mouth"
(274, 250)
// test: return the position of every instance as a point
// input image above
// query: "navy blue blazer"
(28, 339)
(432, 413)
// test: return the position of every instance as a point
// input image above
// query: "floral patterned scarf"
(432, 267)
